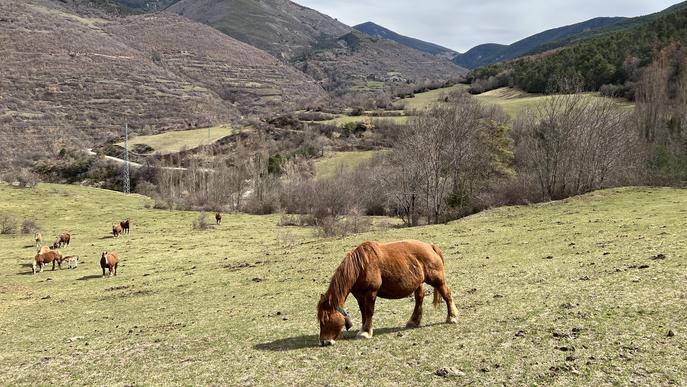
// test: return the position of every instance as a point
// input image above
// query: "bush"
(331, 226)
(356, 112)
(8, 225)
(142, 149)
(202, 223)
(29, 226)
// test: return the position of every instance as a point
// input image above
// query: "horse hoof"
(452, 320)
(364, 335)
(412, 324)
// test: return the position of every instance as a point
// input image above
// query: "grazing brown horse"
(390, 270)
(124, 224)
(42, 259)
(116, 230)
(62, 240)
(109, 261)
(218, 218)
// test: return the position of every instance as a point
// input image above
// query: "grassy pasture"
(328, 166)
(564, 293)
(512, 101)
(175, 141)
(515, 101)
(343, 120)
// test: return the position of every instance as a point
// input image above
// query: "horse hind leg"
(445, 293)
(416, 317)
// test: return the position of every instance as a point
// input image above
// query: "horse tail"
(436, 301)
(439, 252)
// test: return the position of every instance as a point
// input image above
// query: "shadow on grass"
(90, 277)
(311, 341)
(107, 237)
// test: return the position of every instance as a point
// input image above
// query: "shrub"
(22, 178)
(202, 223)
(29, 226)
(356, 112)
(8, 225)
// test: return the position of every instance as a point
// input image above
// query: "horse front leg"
(360, 298)
(368, 312)
(416, 318)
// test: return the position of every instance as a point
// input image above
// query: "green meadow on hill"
(512, 101)
(575, 292)
(175, 141)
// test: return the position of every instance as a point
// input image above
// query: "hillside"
(359, 62)
(341, 59)
(76, 79)
(280, 27)
(487, 54)
(579, 292)
(250, 79)
(378, 31)
(609, 57)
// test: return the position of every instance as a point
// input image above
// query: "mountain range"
(378, 31)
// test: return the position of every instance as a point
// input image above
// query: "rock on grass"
(448, 372)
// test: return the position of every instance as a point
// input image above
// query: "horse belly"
(394, 287)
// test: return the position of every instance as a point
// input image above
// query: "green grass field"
(331, 164)
(174, 141)
(510, 100)
(343, 120)
(564, 293)
(515, 101)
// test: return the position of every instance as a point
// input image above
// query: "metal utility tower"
(126, 173)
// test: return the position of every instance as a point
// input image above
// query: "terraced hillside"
(280, 27)
(75, 79)
(355, 59)
(66, 72)
(250, 79)
(588, 291)
(329, 51)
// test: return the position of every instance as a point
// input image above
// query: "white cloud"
(462, 24)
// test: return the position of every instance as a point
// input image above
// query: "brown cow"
(390, 270)
(41, 259)
(109, 261)
(218, 218)
(125, 225)
(62, 240)
(116, 230)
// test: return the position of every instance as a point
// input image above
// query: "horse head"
(332, 321)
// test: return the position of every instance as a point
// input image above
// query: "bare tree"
(573, 144)
(445, 154)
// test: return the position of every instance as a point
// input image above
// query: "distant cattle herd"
(50, 254)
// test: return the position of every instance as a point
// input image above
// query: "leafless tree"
(573, 144)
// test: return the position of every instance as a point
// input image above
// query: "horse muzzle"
(326, 343)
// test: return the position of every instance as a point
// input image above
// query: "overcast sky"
(463, 24)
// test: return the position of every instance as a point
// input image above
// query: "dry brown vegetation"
(73, 79)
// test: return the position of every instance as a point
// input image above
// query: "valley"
(268, 139)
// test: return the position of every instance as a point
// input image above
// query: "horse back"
(398, 268)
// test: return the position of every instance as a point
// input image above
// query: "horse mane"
(348, 272)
